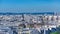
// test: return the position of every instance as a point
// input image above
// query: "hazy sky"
(29, 6)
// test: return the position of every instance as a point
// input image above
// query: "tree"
(57, 32)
